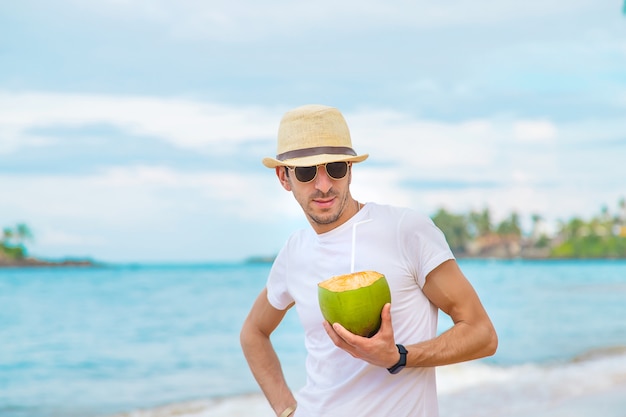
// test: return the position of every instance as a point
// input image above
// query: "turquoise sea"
(101, 341)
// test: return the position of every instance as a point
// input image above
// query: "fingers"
(336, 332)
(375, 350)
(341, 336)
(332, 333)
(345, 335)
(385, 315)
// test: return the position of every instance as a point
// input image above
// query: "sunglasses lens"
(305, 174)
(337, 170)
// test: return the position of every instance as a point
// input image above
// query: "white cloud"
(145, 211)
(125, 195)
(474, 149)
(534, 131)
(183, 123)
(425, 145)
(381, 185)
(138, 176)
(526, 165)
(50, 237)
(555, 64)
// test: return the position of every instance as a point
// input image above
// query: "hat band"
(319, 150)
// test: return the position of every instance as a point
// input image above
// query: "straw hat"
(313, 135)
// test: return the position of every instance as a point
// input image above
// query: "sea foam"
(587, 386)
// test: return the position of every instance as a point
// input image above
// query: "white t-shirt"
(405, 246)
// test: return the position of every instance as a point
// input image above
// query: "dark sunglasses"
(335, 170)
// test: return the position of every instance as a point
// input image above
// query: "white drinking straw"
(354, 241)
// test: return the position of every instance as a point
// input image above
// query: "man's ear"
(282, 177)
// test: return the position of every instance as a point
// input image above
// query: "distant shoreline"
(261, 260)
(463, 256)
(33, 262)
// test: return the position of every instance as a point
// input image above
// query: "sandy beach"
(239, 406)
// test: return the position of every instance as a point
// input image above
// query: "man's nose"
(323, 182)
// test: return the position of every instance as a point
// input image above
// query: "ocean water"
(147, 340)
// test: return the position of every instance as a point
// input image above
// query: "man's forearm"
(267, 371)
(462, 342)
(472, 336)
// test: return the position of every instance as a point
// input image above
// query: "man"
(393, 372)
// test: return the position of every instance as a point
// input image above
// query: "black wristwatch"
(401, 363)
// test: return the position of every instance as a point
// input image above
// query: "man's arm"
(472, 336)
(260, 354)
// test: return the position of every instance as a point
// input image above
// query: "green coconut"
(355, 301)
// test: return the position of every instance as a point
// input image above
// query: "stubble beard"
(329, 217)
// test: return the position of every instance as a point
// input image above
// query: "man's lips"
(324, 202)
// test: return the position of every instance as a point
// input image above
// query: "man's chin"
(324, 219)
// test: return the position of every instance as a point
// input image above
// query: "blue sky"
(132, 131)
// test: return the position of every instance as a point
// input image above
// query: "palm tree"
(7, 235)
(454, 227)
(22, 233)
(510, 226)
(622, 210)
(481, 222)
(17, 235)
(13, 239)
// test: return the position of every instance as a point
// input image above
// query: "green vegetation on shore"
(12, 242)
(469, 235)
(13, 251)
(475, 235)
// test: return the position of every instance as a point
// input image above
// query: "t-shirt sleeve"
(426, 246)
(277, 289)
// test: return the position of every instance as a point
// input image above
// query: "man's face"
(324, 200)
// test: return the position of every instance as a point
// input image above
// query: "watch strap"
(401, 362)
